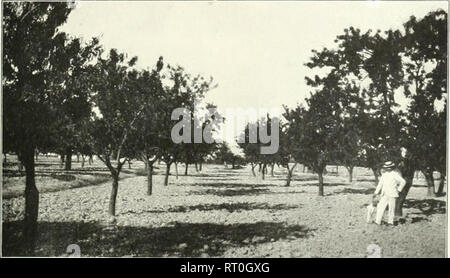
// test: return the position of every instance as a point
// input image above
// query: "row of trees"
(353, 117)
(64, 95)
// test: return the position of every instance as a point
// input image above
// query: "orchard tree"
(187, 92)
(251, 149)
(31, 95)
(225, 155)
(149, 135)
(252, 140)
(289, 151)
(76, 106)
(374, 59)
(207, 122)
(349, 95)
(269, 159)
(317, 132)
(118, 112)
(387, 62)
(425, 66)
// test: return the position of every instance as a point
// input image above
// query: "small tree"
(251, 150)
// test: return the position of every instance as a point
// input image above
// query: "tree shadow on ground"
(57, 172)
(230, 207)
(231, 192)
(304, 178)
(426, 207)
(326, 184)
(356, 191)
(365, 178)
(229, 185)
(294, 178)
(223, 179)
(72, 184)
(176, 239)
(285, 192)
(212, 175)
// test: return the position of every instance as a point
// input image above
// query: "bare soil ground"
(218, 212)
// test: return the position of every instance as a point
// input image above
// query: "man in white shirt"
(391, 183)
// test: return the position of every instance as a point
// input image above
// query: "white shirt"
(390, 184)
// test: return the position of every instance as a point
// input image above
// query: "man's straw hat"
(388, 165)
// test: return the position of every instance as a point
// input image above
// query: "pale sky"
(254, 50)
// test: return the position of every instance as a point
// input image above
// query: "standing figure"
(391, 183)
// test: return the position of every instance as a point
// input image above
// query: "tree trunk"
(62, 161)
(78, 158)
(350, 173)
(31, 203)
(304, 168)
(408, 175)
(402, 197)
(271, 169)
(196, 167)
(68, 165)
(176, 170)
(186, 169)
(263, 171)
(253, 169)
(113, 197)
(166, 179)
(37, 155)
(441, 184)
(320, 183)
(259, 167)
(430, 183)
(289, 176)
(4, 158)
(376, 175)
(91, 160)
(200, 165)
(149, 178)
(83, 159)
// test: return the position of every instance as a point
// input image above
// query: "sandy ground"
(222, 212)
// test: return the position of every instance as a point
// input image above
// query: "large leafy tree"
(186, 92)
(319, 125)
(349, 95)
(314, 130)
(425, 66)
(374, 59)
(31, 93)
(384, 63)
(119, 109)
(75, 110)
(150, 126)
